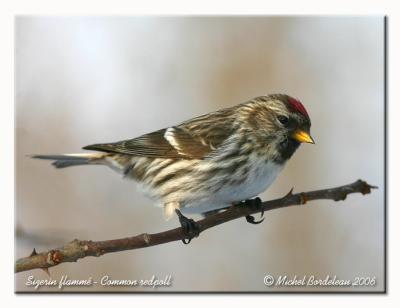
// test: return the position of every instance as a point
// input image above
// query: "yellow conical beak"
(302, 136)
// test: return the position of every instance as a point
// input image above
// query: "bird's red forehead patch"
(298, 106)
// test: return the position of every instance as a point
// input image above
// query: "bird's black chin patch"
(286, 149)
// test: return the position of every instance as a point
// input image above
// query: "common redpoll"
(209, 162)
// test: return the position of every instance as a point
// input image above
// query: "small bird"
(210, 162)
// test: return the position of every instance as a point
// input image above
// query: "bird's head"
(280, 123)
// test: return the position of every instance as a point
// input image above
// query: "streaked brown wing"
(212, 128)
(165, 143)
(193, 139)
(150, 145)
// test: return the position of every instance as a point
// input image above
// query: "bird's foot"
(189, 226)
(255, 204)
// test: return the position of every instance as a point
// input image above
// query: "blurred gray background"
(84, 80)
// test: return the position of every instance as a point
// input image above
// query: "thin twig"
(78, 249)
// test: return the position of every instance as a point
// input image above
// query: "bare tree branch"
(78, 249)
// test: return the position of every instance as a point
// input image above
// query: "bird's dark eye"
(283, 120)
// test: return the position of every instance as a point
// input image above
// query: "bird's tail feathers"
(69, 160)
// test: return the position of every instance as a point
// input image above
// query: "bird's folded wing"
(194, 139)
(173, 142)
